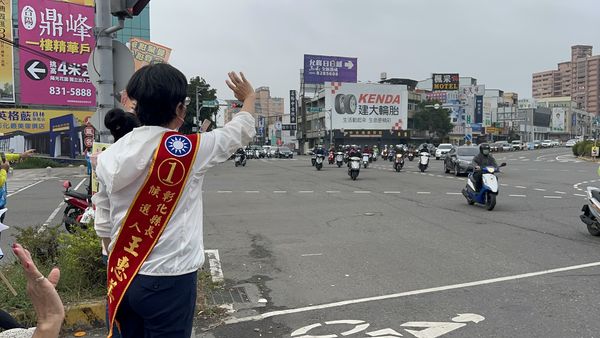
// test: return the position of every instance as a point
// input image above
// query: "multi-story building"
(578, 78)
(138, 27)
(270, 109)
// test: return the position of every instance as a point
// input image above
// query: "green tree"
(205, 92)
(435, 121)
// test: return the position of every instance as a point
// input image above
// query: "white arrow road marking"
(385, 333)
(433, 329)
(468, 317)
(359, 325)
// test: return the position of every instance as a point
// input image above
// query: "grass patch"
(36, 163)
(208, 313)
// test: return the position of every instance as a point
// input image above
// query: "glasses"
(187, 101)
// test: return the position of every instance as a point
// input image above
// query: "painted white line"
(504, 184)
(423, 192)
(80, 183)
(280, 192)
(539, 189)
(391, 192)
(252, 192)
(24, 188)
(310, 255)
(520, 187)
(410, 293)
(332, 192)
(517, 195)
(214, 261)
(362, 192)
(453, 193)
(524, 160)
(560, 192)
(224, 192)
(580, 195)
(553, 197)
(305, 191)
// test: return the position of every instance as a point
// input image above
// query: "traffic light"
(127, 8)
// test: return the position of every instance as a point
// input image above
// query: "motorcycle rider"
(319, 150)
(242, 154)
(483, 159)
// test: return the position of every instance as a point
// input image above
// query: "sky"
(498, 42)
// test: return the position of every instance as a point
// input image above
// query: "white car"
(570, 143)
(546, 144)
(442, 150)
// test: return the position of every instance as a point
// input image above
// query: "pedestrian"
(88, 161)
(149, 206)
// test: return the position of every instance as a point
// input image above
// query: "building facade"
(578, 78)
(138, 27)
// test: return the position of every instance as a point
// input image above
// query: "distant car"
(556, 143)
(494, 146)
(537, 144)
(517, 145)
(459, 159)
(570, 143)
(442, 150)
(546, 144)
(504, 146)
(285, 152)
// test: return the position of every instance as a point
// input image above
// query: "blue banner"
(323, 68)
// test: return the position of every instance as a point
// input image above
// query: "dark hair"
(120, 122)
(157, 89)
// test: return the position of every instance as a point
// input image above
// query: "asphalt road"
(402, 254)
(314, 254)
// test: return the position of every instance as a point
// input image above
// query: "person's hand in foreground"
(27, 153)
(242, 90)
(42, 293)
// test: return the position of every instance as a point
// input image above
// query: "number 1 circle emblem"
(171, 172)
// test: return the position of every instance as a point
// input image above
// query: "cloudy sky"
(499, 42)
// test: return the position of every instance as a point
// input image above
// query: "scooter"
(79, 211)
(331, 158)
(591, 211)
(399, 162)
(354, 167)
(423, 161)
(238, 160)
(375, 155)
(339, 159)
(365, 160)
(489, 188)
(313, 159)
(319, 161)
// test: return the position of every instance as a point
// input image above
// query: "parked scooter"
(489, 188)
(424, 161)
(354, 167)
(339, 159)
(331, 158)
(365, 160)
(79, 211)
(591, 211)
(319, 161)
(238, 160)
(399, 162)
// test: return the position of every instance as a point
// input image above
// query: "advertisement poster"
(147, 52)
(59, 38)
(324, 68)
(370, 106)
(7, 77)
(558, 119)
(446, 81)
(35, 121)
(97, 148)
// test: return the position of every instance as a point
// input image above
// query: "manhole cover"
(227, 296)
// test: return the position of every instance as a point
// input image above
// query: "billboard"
(558, 120)
(293, 106)
(35, 121)
(445, 81)
(147, 52)
(479, 109)
(323, 68)
(369, 106)
(53, 69)
(7, 77)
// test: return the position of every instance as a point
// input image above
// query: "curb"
(85, 315)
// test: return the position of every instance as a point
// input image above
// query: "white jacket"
(121, 171)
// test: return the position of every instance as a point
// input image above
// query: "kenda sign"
(368, 106)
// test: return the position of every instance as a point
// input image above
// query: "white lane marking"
(423, 192)
(504, 184)
(362, 192)
(60, 205)
(252, 192)
(520, 187)
(553, 197)
(224, 192)
(305, 191)
(453, 193)
(580, 195)
(524, 160)
(24, 188)
(332, 192)
(391, 192)
(216, 271)
(410, 293)
(310, 255)
(560, 192)
(538, 189)
(279, 192)
(517, 195)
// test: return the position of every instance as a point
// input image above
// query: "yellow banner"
(146, 52)
(80, 2)
(97, 147)
(7, 81)
(35, 121)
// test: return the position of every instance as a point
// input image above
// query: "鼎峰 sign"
(323, 68)
(369, 106)
(445, 81)
(62, 38)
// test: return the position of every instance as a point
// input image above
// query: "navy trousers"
(158, 307)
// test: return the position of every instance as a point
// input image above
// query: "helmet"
(484, 148)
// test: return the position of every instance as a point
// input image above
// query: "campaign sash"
(149, 213)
